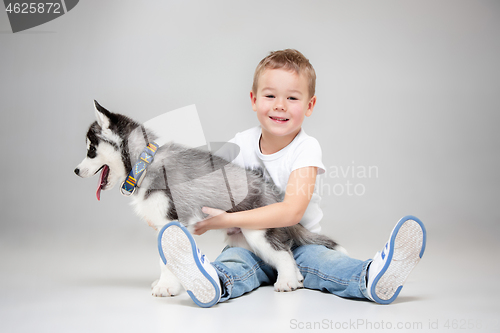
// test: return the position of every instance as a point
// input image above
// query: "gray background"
(408, 87)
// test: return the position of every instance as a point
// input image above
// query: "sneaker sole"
(406, 247)
(178, 251)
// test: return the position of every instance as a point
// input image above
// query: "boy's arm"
(299, 190)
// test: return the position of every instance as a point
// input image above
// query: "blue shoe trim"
(196, 260)
(424, 232)
(391, 253)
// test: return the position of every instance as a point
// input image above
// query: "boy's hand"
(214, 220)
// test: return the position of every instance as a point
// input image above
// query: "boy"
(283, 94)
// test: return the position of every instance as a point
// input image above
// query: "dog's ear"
(102, 115)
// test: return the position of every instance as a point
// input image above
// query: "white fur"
(283, 261)
(103, 121)
(167, 285)
(106, 154)
(154, 209)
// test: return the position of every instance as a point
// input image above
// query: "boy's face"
(282, 101)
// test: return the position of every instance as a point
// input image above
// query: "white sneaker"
(179, 252)
(389, 269)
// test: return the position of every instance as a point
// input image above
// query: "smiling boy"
(282, 95)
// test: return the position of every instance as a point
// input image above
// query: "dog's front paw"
(283, 284)
(159, 289)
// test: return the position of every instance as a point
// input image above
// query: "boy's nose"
(279, 106)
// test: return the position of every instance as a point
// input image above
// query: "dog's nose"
(77, 171)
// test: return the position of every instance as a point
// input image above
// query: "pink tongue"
(102, 181)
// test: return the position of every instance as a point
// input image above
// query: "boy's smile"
(282, 101)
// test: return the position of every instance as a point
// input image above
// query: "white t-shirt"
(303, 151)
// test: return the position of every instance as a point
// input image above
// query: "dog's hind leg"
(289, 278)
(167, 285)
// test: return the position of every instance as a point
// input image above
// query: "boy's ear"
(310, 106)
(253, 99)
(102, 115)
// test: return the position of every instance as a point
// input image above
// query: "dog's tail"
(297, 235)
(302, 236)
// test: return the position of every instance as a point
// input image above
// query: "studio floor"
(84, 283)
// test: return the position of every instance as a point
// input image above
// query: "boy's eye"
(293, 98)
(270, 96)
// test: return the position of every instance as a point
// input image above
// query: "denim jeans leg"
(241, 271)
(332, 271)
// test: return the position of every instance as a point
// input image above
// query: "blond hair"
(288, 59)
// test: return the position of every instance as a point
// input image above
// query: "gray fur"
(296, 235)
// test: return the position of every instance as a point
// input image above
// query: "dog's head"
(105, 153)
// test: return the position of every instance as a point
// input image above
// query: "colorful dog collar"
(136, 175)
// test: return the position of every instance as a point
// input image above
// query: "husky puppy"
(179, 182)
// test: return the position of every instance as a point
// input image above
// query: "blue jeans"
(241, 271)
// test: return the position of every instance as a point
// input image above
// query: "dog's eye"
(91, 153)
